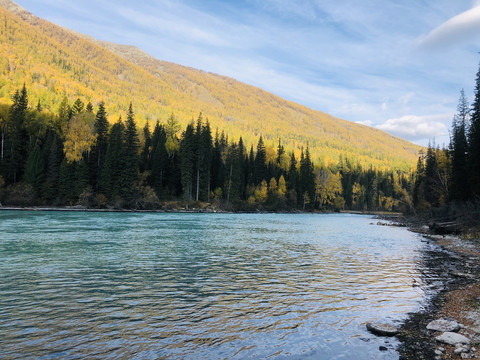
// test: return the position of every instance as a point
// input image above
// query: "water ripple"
(190, 286)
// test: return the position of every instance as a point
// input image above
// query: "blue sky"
(395, 65)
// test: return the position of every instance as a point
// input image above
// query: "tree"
(78, 107)
(35, 168)
(307, 179)
(17, 138)
(79, 137)
(132, 145)
(113, 171)
(99, 150)
(159, 159)
(145, 155)
(172, 127)
(260, 162)
(187, 161)
(473, 158)
(459, 188)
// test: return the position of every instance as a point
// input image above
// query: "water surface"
(192, 286)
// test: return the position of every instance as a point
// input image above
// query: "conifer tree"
(159, 159)
(145, 155)
(130, 154)
(99, 150)
(35, 168)
(260, 162)
(459, 188)
(113, 171)
(17, 139)
(187, 161)
(431, 171)
(307, 179)
(473, 159)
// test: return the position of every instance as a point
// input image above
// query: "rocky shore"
(449, 326)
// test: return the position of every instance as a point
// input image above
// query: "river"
(203, 286)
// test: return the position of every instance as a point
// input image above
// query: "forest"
(447, 181)
(75, 157)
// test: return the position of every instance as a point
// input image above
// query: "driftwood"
(444, 228)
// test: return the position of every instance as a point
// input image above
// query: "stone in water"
(382, 329)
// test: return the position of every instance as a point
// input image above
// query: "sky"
(397, 66)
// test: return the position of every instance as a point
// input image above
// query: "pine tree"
(431, 171)
(260, 162)
(17, 138)
(159, 159)
(113, 171)
(473, 158)
(130, 155)
(35, 168)
(459, 188)
(307, 179)
(99, 150)
(78, 107)
(187, 161)
(145, 155)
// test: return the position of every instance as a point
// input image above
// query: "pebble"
(438, 352)
(460, 350)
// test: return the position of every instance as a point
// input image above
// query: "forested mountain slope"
(55, 62)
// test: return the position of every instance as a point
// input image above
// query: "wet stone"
(382, 329)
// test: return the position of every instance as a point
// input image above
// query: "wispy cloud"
(418, 127)
(460, 28)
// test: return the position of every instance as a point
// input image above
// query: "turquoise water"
(202, 286)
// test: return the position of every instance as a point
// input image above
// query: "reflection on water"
(189, 286)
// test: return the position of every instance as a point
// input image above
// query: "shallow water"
(192, 286)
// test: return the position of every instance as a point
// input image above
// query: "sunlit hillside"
(54, 62)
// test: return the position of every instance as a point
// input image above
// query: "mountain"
(55, 62)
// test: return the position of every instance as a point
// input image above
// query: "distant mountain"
(54, 62)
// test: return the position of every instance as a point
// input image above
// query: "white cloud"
(365, 122)
(460, 28)
(415, 127)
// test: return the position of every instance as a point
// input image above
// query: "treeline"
(447, 181)
(75, 157)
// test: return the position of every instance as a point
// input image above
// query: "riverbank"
(454, 265)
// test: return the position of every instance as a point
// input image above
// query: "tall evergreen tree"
(17, 138)
(260, 162)
(99, 150)
(145, 155)
(114, 169)
(307, 179)
(132, 145)
(459, 188)
(159, 159)
(187, 164)
(473, 159)
(431, 174)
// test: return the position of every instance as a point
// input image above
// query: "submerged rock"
(452, 338)
(382, 329)
(443, 325)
